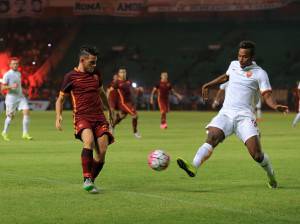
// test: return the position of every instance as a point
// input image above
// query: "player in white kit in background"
(297, 118)
(237, 116)
(14, 100)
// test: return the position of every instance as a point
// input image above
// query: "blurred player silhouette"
(297, 118)
(112, 96)
(15, 99)
(84, 84)
(246, 78)
(163, 90)
(125, 101)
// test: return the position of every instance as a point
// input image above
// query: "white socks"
(296, 120)
(25, 124)
(203, 153)
(267, 166)
(6, 124)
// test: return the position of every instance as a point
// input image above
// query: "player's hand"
(180, 97)
(205, 92)
(151, 101)
(215, 104)
(282, 108)
(58, 123)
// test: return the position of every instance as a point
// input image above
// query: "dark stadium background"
(194, 44)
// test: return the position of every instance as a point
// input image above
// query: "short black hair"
(248, 44)
(86, 50)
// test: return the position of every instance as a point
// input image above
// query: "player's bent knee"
(258, 156)
(214, 137)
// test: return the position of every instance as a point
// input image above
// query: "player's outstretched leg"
(254, 148)
(203, 153)
(26, 135)
(215, 135)
(134, 127)
(163, 123)
(187, 167)
(296, 120)
(5, 129)
(267, 166)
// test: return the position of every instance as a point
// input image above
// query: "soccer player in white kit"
(246, 78)
(14, 100)
(297, 118)
(256, 100)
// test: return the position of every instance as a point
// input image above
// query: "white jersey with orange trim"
(243, 87)
(10, 78)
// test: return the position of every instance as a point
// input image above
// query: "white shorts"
(20, 104)
(244, 127)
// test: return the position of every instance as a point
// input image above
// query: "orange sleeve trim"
(74, 102)
(266, 91)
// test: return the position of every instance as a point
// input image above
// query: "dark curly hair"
(247, 44)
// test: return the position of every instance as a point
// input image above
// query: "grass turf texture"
(41, 180)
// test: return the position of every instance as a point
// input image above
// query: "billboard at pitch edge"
(108, 7)
(212, 5)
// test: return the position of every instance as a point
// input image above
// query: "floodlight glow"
(134, 85)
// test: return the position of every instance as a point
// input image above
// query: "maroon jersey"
(163, 89)
(113, 96)
(123, 87)
(84, 89)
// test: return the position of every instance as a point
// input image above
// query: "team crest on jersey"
(249, 74)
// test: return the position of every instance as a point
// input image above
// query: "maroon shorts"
(113, 99)
(163, 105)
(127, 108)
(99, 127)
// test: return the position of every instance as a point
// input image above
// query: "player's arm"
(5, 86)
(218, 97)
(59, 109)
(221, 79)
(179, 97)
(106, 104)
(109, 89)
(152, 94)
(270, 101)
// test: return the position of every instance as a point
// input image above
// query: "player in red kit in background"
(163, 89)
(84, 84)
(112, 96)
(125, 101)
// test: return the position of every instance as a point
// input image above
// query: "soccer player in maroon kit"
(84, 84)
(112, 96)
(163, 89)
(125, 101)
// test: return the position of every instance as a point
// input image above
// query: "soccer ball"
(158, 160)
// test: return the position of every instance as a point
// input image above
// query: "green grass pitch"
(40, 180)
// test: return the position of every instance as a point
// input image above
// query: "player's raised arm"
(58, 109)
(109, 89)
(218, 97)
(179, 97)
(268, 98)
(152, 94)
(221, 79)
